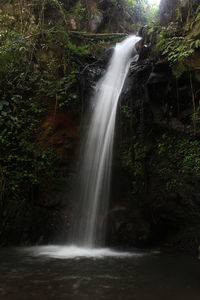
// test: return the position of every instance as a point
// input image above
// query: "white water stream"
(95, 172)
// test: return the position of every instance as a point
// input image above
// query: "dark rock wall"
(155, 187)
(158, 147)
(155, 194)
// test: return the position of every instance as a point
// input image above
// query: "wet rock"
(186, 239)
(61, 131)
(126, 227)
(145, 52)
(90, 74)
(167, 11)
(108, 54)
(156, 78)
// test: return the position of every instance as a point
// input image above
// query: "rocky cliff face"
(157, 160)
(43, 104)
(155, 191)
(157, 164)
(160, 154)
(104, 16)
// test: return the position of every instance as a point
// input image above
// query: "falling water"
(95, 173)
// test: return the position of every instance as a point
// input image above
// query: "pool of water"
(70, 273)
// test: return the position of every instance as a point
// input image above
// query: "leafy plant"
(38, 67)
(176, 48)
(126, 111)
(182, 161)
(133, 161)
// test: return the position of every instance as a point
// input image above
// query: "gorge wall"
(158, 134)
(155, 194)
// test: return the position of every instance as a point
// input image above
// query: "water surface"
(53, 273)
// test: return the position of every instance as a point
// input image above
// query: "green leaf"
(3, 113)
(5, 103)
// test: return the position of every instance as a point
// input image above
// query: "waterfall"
(95, 171)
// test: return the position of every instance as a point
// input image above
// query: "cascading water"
(95, 173)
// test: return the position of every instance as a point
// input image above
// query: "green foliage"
(177, 44)
(15, 51)
(127, 161)
(6, 20)
(80, 11)
(42, 4)
(21, 163)
(77, 50)
(38, 68)
(179, 159)
(131, 3)
(176, 48)
(133, 161)
(63, 88)
(145, 13)
(152, 15)
(53, 3)
(60, 89)
(79, 15)
(126, 111)
(194, 44)
(195, 20)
